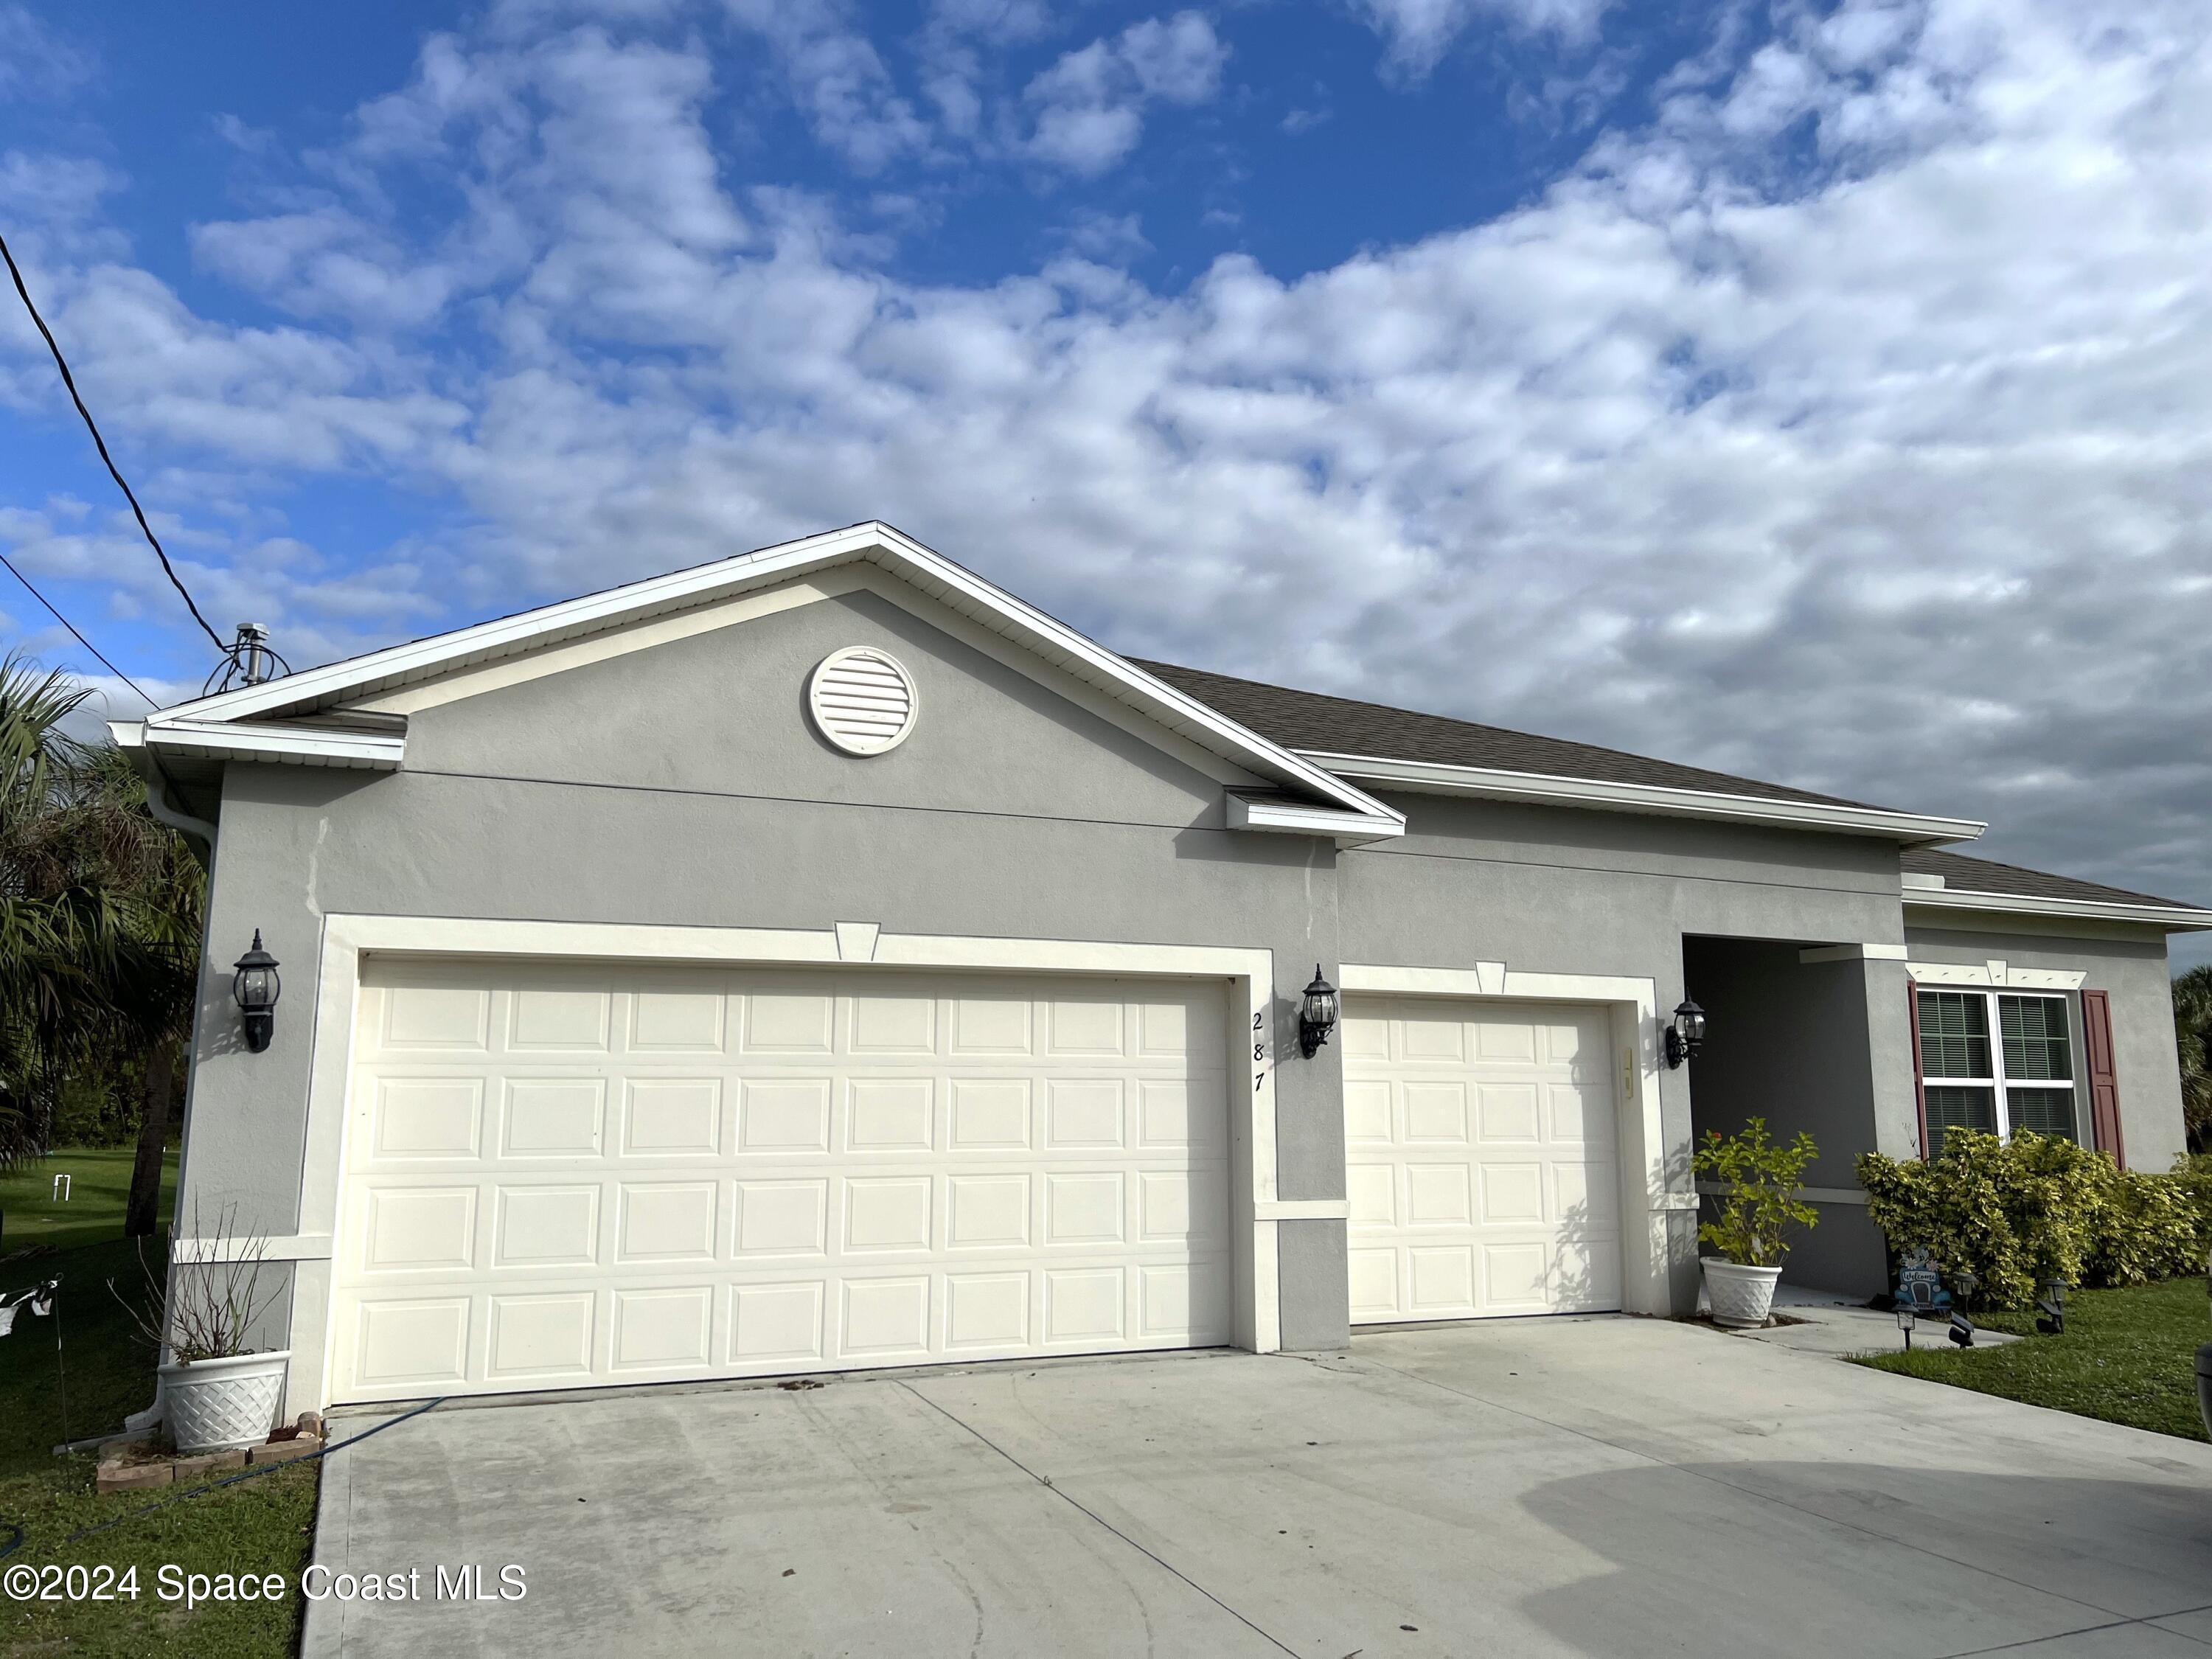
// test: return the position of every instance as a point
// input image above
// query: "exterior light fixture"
(1687, 1034)
(1968, 1282)
(1906, 1316)
(257, 986)
(1317, 1014)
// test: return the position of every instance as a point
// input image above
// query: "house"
(822, 959)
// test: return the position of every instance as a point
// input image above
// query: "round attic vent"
(862, 700)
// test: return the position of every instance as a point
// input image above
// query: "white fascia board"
(929, 571)
(420, 660)
(1286, 817)
(1914, 828)
(292, 745)
(2172, 918)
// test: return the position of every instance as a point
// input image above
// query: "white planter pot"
(223, 1405)
(1740, 1296)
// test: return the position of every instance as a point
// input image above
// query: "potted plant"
(218, 1394)
(1755, 1204)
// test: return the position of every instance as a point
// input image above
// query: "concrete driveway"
(1587, 1486)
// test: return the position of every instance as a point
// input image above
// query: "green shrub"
(2019, 1212)
(1752, 1219)
(2193, 1175)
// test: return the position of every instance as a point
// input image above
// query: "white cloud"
(1884, 479)
(837, 79)
(35, 62)
(1089, 107)
(1417, 33)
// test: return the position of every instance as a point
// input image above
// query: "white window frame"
(1999, 1085)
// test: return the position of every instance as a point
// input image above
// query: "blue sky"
(1818, 391)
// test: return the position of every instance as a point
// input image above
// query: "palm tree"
(100, 910)
(2193, 1034)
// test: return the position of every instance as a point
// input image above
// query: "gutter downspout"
(198, 833)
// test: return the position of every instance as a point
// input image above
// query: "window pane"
(2046, 1111)
(2034, 1037)
(1955, 1035)
(1950, 1107)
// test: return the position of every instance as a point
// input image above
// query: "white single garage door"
(1480, 1152)
(566, 1175)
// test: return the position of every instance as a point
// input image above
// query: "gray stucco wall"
(1558, 891)
(684, 786)
(2130, 964)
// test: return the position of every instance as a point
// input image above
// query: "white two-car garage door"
(568, 1175)
(1480, 1164)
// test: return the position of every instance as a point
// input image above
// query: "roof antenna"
(248, 660)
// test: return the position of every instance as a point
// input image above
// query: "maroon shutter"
(1919, 1081)
(2104, 1085)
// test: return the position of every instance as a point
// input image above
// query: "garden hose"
(16, 1538)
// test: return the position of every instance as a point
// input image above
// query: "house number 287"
(1259, 1054)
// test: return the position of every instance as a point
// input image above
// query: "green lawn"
(260, 1526)
(100, 1181)
(2127, 1355)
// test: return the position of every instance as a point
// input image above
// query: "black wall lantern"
(257, 988)
(1317, 1014)
(1687, 1034)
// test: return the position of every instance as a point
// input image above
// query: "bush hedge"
(2019, 1212)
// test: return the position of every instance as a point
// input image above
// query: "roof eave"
(285, 745)
(2169, 918)
(1278, 816)
(1910, 829)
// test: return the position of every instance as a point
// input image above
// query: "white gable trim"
(934, 575)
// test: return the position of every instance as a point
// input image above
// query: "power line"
(71, 626)
(101, 444)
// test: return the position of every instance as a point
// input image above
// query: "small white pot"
(223, 1405)
(1740, 1296)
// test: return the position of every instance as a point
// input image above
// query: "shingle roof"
(1340, 725)
(1964, 875)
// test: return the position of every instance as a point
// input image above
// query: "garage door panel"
(886, 1318)
(546, 1227)
(1433, 1112)
(776, 1321)
(1509, 1113)
(559, 1021)
(1374, 1283)
(784, 1114)
(985, 1025)
(542, 1339)
(414, 1228)
(672, 1117)
(574, 1173)
(407, 1342)
(891, 1115)
(434, 1117)
(784, 1024)
(676, 1021)
(1481, 1177)
(987, 1311)
(666, 1221)
(662, 1327)
(1513, 1195)
(433, 1017)
(553, 1117)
